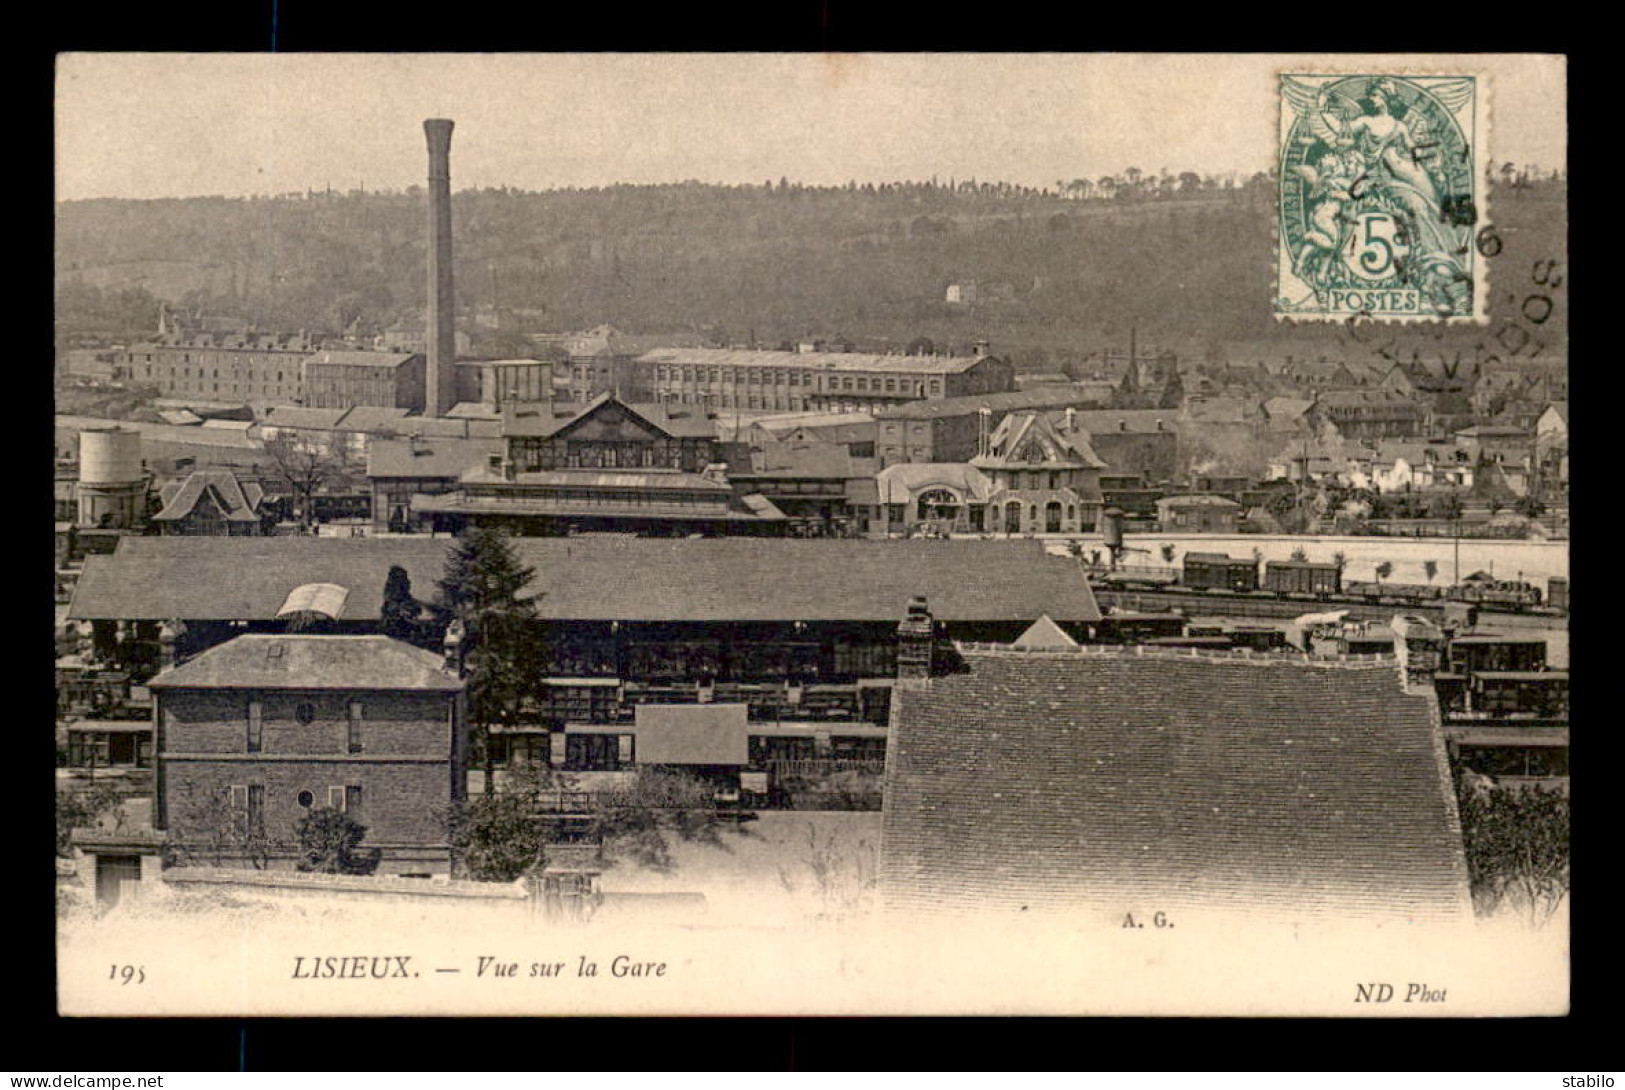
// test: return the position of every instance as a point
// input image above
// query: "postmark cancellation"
(1382, 180)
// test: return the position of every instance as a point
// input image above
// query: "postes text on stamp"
(1380, 197)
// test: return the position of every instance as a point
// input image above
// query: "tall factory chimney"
(440, 378)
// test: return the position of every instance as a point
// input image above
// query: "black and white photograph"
(811, 534)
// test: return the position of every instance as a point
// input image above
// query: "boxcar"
(1217, 571)
(1302, 577)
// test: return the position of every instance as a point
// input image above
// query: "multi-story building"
(948, 429)
(255, 733)
(399, 469)
(1370, 414)
(610, 467)
(1139, 441)
(774, 381)
(495, 383)
(336, 379)
(803, 633)
(232, 366)
(1045, 477)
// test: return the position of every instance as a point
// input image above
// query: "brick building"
(344, 379)
(262, 729)
(236, 366)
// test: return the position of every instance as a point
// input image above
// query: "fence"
(824, 766)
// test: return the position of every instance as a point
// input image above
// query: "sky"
(180, 125)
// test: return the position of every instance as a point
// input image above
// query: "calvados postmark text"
(1380, 197)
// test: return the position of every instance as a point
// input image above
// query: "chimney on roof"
(1071, 418)
(440, 331)
(984, 424)
(168, 636)
(916, 639)
(453, 646)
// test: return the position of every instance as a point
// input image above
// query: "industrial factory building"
(775, 381)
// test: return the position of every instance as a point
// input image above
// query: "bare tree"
(305, 468)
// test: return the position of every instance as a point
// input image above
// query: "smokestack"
(441, 373)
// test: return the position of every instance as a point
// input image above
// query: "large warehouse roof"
(621, 579)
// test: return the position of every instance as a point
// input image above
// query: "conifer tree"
(483, 588)
(398, 618)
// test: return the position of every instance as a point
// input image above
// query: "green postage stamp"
(1382, 181)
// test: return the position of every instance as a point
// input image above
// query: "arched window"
(938, 503)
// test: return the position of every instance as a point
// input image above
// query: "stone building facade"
(253, 734)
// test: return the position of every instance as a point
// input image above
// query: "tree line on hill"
(1186, 255)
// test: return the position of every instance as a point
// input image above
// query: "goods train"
(1217, 573)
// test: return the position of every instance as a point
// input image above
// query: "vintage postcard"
(811, 534)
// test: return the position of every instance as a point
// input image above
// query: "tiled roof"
(442, 458)
(640, 507)
(813, 361)
(298, 416)
(372, 418)
(624, 579)
(1101, 421)
(1039, 397)
(781, 423)
(474, 410)
(1066, 779)
(1223, 410)
(1045, 633)
(165, 433)
(900, 482)
(311, 662)
(605, 480)
(441, 427)
(540, 421)
(807, 459)
(337, 358)
(1348, 398)
(1020, 429)
(237, 501)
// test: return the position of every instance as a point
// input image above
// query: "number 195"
(128, 974)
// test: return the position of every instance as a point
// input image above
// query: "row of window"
(767, 377)
(304, 714)
(249, 799)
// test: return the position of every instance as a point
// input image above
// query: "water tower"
(112, 481)
(1112, 531)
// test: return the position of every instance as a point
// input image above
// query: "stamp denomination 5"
(1380, 197)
